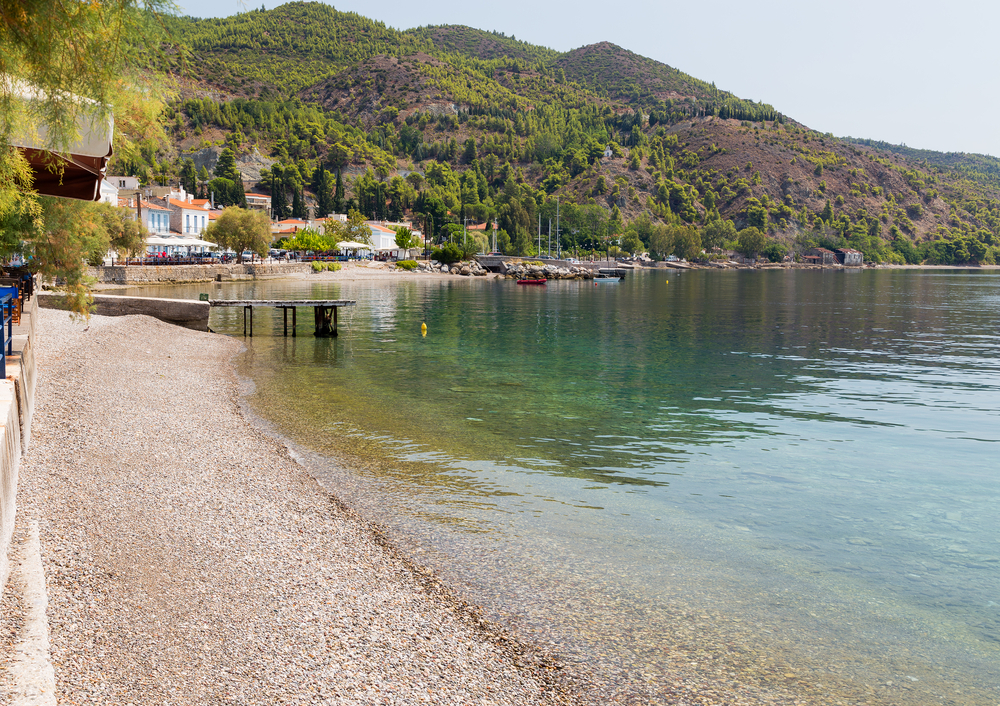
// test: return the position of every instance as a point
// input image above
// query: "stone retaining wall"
(119, 274)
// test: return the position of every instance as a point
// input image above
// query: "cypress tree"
(338, 194)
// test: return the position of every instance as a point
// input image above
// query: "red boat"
(531, 281)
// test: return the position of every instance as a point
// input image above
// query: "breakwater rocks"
(509, 270)
(533, 270)
(465, 269)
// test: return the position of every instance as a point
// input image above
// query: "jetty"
(324, 312)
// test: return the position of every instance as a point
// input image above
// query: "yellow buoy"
(423, 329)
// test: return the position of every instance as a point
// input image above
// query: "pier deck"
(324, 311)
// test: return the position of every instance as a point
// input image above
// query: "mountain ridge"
(683, 152)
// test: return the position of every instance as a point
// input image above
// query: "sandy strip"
(190, 560)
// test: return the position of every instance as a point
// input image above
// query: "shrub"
(407, 264)
(448, 254)
(318, 266)
(775, 251)
(333, 266)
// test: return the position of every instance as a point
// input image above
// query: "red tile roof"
(194, 205)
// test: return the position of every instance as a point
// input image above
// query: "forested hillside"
(445, 124)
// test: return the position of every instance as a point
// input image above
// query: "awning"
(180, 242)
(81, 168)
(351, 245)
(196, 243)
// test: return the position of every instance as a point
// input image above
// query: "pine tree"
(279, 206)
(299, 209)
(226, 166)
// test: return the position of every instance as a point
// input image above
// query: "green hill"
(497, 128)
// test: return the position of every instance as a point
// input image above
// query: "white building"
(109, 193)
(123, 183)
(259, 202)
(155, 218)
(188, 216)
(382, 238)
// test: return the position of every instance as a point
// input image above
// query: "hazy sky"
(904, 71)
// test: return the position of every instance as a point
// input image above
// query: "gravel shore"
(190, 560)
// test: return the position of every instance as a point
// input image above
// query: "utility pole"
(550, 237)
(539, 233)
(558, 232)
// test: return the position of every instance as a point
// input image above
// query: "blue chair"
(15, 303)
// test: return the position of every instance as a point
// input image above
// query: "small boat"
(607, 278)
(531, 281)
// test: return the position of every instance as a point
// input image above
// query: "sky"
(904, 71)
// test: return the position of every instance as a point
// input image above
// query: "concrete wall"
(21, 367)
(17, 401)
(10, 461)
(192, 273)
(180, 312)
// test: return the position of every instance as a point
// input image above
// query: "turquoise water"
(782, 481)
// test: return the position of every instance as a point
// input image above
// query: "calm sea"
(785, 482)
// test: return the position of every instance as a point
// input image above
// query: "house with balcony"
(259, 202)
(189, 216)
(155, 218)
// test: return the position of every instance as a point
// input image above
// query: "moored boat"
(601, 277)
(531, 281)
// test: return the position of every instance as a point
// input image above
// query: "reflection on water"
(778, 480)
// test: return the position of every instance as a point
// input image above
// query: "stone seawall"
(155, 274)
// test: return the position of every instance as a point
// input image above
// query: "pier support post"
(284, 315)
(326, 321)
(245, 310)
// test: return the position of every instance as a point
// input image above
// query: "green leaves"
(239, 229)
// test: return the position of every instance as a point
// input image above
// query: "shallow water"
(781, 481)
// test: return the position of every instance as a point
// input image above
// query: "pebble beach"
(189, 559)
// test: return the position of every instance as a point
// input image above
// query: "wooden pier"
(324, 312)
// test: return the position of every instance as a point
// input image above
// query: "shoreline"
(190, 559)
(383, 271)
